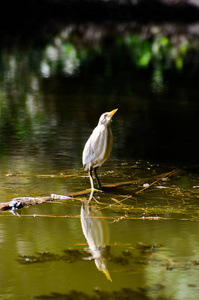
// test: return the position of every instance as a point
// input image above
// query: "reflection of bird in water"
(98, 147)
(96, 232)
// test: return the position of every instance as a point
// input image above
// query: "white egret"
(98, 147)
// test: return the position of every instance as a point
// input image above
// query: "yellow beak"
(112, 112)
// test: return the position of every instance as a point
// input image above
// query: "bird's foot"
(96, 190)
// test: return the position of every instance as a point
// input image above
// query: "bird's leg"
(92, 184)
(97, 178)
(91, 178)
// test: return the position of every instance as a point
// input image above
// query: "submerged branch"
(161, 177)
(140, 180)
(20, 202)
(114, 219)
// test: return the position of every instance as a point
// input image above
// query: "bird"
(98, 147)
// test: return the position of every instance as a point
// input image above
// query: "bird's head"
(106, 117)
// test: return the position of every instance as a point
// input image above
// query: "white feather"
(98, 147)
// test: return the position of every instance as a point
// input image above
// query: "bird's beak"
(112, 112)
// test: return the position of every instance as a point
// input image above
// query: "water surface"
(46, 117)
(158, 255)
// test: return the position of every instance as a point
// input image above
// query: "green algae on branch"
(73, 255)
(125, 293)
(70, 255)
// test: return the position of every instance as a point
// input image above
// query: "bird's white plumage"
(98, 147)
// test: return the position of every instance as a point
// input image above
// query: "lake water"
(57, 250)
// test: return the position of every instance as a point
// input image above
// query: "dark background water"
(56, 83)
(57, 117)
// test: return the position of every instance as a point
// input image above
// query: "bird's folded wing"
(88, 155)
